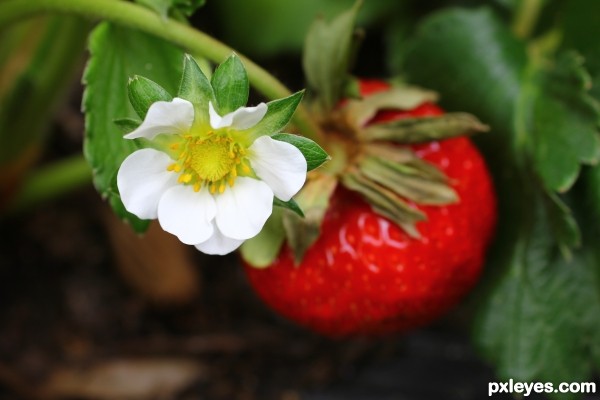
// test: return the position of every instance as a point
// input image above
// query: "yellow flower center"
(211, 159)
(215, 161)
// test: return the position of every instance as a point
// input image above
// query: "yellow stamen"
(186, 178)
(211, 159)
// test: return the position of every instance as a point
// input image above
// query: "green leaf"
(579, 27)
(196, 88)
(328, 50)
(116, 54)
(231, 86)
(562, 224)
(262, 250)
(541, 320)
(485, 68)
(592, 182)
(143, 92)
(313, 153)
(279, 113)
(540, 317)
(563, 121)
(536, 106)
(290, 205)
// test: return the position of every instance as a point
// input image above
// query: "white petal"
(219, 244)
(243, 209)
(281, 165)
(187, 214)
(216, 121)
(142, 179)
(247, 117)
(240, 119)
(169, 117)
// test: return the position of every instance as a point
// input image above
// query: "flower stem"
(138, 17)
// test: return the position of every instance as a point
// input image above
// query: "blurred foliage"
(38, 60)
(539, 314)
(269, 27)
(528, 68)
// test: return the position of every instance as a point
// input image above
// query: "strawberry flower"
(212, 185)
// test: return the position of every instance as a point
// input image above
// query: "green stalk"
(526, 17)
(138, 17)
(51, 181)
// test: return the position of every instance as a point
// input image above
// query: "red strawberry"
(365, 275)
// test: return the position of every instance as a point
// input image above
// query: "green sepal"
(143, 93)
(188, 7)
(127, 124)
(161, 7)
(230, 84)
(408, 180)
(196, 88)
(261, 250)
(313, 153)
(290, 205)
(301, 233)
(424, 129)
(359, 112)
(385, 202)
(279, 113)
(164, 7)
(328, 51)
